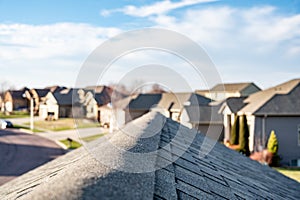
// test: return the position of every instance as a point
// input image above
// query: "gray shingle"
(221, 174)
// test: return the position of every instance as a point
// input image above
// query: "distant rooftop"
(280, 99)
(231, 87)
(220, 174)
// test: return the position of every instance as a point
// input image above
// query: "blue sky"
(46, 42)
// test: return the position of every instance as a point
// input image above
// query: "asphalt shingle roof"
(42, 92)
(197, 168)
(256, 101)
(235, 103)
(230, 87)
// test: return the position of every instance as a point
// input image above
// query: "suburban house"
(38, 95)
(206, 119)
(15, 100)
(226, 90)
(190, 109)
(76, 103)
(170, 104)
(48, 107)
(276, 108)
(229, 108)
(91, 103)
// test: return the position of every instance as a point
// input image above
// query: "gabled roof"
(18, 94)
(276, 99)
(104, 96)
(169, 101)
(233, 103)
(68, 97)
(178, 100)
(56, 88)
(231, 87)
(41, 92)
(184, 165)
(204, 114)
(144, 102)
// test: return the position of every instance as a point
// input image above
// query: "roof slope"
(170, 101)
(259, 99)
(41, 92)
(235, 103)
(230, 87)
(220, 174)
(283, 104)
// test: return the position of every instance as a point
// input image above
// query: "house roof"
(178, 100)
(231, 87)
(104, 96)
(18, 94)
(171, 101)
(181, 168)
(234, 104)
(144, 101)
(67, 97)
(41, 92)
(204, 114)
(56, 88)
(281, 99)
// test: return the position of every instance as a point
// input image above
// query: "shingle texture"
(281, 99)
(230, 87)
(191, 173)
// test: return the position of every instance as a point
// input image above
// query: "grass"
(15, 114)
(74, 144)
(64, 124)
(293, 173)
(27, 128)
(91, 138)
(71, 145)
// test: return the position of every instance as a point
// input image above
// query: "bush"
(244, 136)
(234, 135)
(272, 143)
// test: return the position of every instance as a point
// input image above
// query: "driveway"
(22, 152)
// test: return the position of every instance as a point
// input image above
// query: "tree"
(234, 135)
(244, 136)
(272, 143)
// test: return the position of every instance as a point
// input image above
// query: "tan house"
(48, 107)
(226, 90)
(15, 100)
(76, 103)
(38, 95)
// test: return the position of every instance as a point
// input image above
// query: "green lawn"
(293, 173)
(27, 128)
(74, 144)
(91, 138)
(71, 145)
(15, 114)
(64, 124)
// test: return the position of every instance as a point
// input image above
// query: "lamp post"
(31, 113)
(31, 110)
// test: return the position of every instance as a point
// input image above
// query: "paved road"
(22, 152)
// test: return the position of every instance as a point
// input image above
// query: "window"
(299, 135)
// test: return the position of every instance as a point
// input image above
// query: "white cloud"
(22, 41)
(41, 55)
(249, 42)
(260, 39)
(157, 8)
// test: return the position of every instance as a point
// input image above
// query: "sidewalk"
(76, 134)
